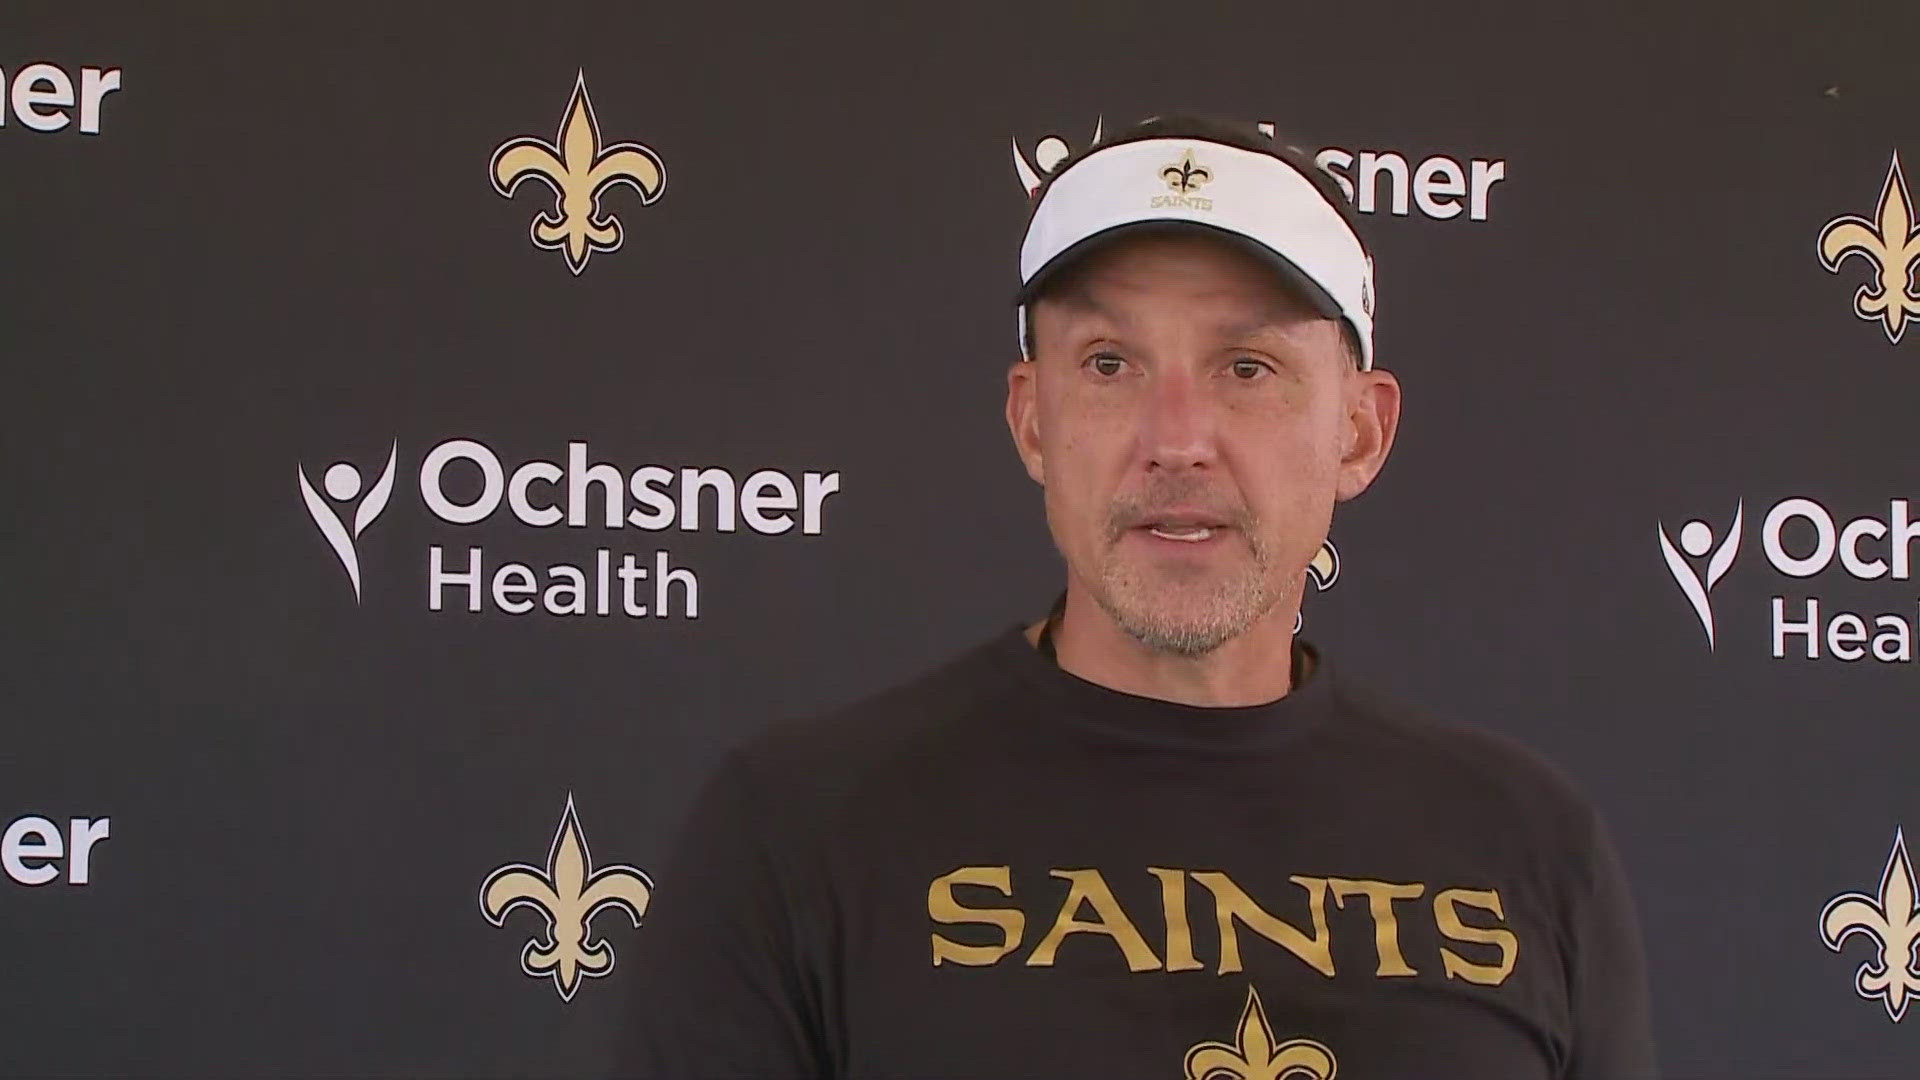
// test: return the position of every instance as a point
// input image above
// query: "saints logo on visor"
(1184, 175)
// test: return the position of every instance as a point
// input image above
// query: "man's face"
(1192, 423)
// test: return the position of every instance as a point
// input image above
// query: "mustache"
(1129, 511)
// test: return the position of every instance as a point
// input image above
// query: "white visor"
(1243, 193)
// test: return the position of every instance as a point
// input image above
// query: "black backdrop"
(281, 249)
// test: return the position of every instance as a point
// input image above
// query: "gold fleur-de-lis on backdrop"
(1892, 921)
(569, 892)
(1890, 242)
(1185, 176)
(1323, 570)
(1324, 567)
(1253, 1055)
(579, 170)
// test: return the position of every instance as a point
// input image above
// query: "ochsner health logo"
(1804, 539)
(342, 483)
(1696, 539)
(481, 506)
(1048, 153)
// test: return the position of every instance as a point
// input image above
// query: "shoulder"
(915, 726)
(1463, 763)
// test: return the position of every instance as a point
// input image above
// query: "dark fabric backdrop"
(282, 249)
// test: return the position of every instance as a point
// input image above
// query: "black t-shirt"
(1002, 871)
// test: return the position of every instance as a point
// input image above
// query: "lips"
(1184, 527)
(1191, 534)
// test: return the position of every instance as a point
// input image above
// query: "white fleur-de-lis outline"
(1890, 243)
(1892, 921)
(569, 892)
(578, 168)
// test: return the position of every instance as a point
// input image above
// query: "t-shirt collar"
(1173, 723)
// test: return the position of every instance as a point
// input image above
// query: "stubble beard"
(1189, 618)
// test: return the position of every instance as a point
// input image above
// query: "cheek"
(1288, 469)
(1085, 452)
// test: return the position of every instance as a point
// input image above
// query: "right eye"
(1106, 364)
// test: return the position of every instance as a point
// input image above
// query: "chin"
(1185, 640)
(1188, 618)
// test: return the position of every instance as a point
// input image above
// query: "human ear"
(1023, 416)
(1373, 417)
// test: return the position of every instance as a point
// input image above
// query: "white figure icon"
(1696, 539)
(342, 484)
(1048, 153)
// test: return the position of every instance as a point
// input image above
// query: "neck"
(1251, 669)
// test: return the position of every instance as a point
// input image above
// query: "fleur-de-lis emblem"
(1892, 244)
(1892, 921)
(579, 170)
(569, 892)
(1253, 1055)
(1324, 568)
(1185, 176)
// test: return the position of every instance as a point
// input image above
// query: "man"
(1154, 835)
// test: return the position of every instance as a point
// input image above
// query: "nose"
(1177, 424)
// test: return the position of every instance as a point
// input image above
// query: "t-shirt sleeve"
(1612, 1032)
(721, 991)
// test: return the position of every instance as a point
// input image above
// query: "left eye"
(1248, 369)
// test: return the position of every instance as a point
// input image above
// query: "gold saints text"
(1470, 917)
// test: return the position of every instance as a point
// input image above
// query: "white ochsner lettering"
(34, 850)
(543, 493)
(1802, 539)
(46, 97)
(1868, 548)
(464, 482)
(1439, 186)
